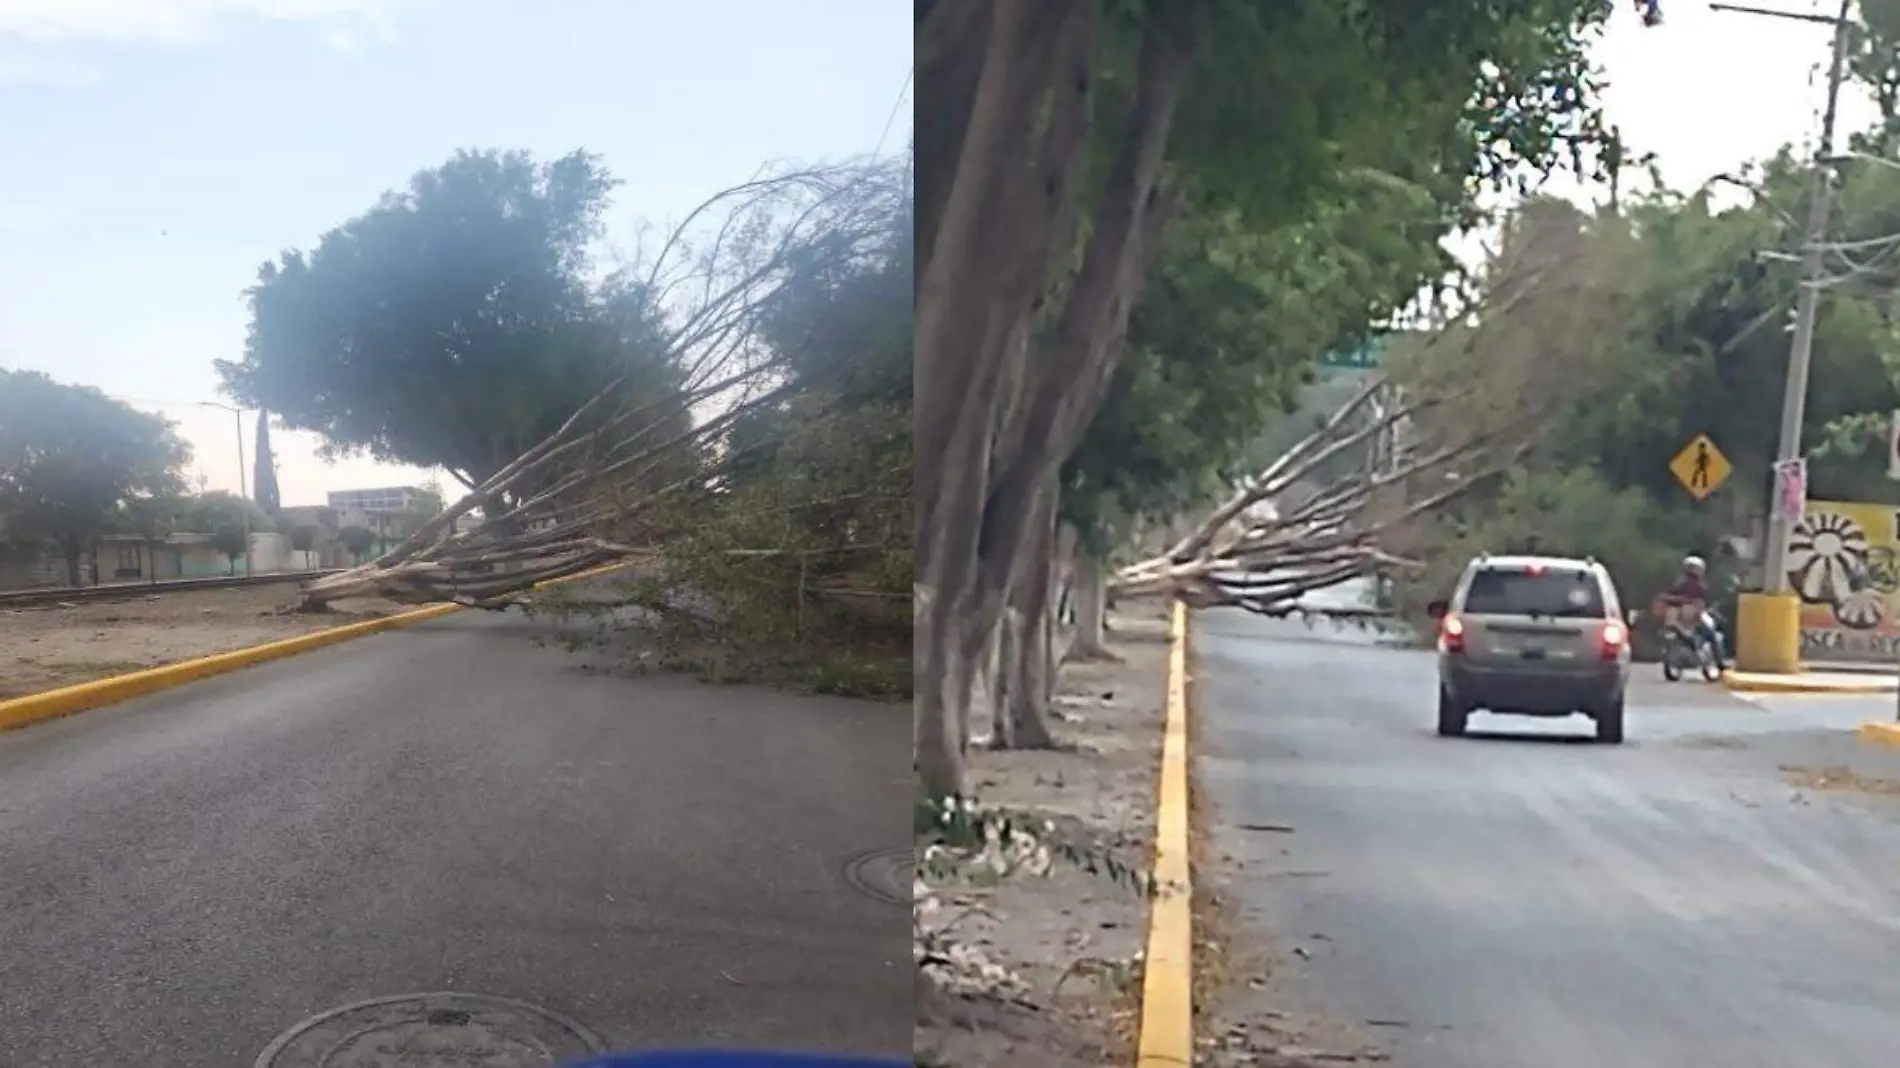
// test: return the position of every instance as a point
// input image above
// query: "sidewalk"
(1817, 679)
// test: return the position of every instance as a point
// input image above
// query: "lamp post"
(244, 493)
(1768, 630)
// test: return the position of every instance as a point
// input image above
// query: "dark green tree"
(455, 323)
(303, 539)
(232, 540)
(72, 460)
(357, 541)
(207, 512)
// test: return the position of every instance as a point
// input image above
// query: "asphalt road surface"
(1526, 899)
(449, 808)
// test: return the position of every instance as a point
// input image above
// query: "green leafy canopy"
(454, 324)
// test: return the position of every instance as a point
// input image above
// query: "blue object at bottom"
(719, 1058)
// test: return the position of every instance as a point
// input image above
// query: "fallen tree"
(581, 498)
(1454, 408)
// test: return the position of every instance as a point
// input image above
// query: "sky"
(1708, 90)
(158, 151)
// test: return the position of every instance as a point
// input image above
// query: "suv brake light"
(1614, 639)
(1451, 634)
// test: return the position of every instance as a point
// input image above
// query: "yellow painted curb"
(1747, 682)
(1167, 1003)
(1881, 733)
(86, 696)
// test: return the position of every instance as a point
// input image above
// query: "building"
(381, 499)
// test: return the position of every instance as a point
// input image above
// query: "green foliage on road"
(72, 460)
(794, 564)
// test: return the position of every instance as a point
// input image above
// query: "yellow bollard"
(1768, 633)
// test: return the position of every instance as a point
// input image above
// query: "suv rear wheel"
(1451, 715)
(1610, 723)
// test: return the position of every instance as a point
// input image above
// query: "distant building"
(382, 499)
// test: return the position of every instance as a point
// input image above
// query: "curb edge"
(1167, 1003)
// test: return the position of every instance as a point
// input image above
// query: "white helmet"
(1694, 563)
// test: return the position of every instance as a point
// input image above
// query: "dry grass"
(48, 646)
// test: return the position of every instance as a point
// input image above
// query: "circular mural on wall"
(1827, 564)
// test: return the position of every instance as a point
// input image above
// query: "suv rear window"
(1557, 593)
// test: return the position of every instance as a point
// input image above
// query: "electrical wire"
(891, 119)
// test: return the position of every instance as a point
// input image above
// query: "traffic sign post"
(1701, 467)
(1791, 490)
(1893, 445)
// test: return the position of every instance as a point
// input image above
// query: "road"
(1513, 901)
(449, 808)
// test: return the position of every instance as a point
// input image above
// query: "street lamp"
(244, 493)
(1768, 624)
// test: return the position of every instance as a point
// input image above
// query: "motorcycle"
(1688, 649)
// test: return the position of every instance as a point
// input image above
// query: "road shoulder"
(1074, 938)
(1250, 1010)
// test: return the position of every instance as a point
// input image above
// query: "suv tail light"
(1614, 638)
(1451, 634)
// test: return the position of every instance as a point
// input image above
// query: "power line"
(890, 119)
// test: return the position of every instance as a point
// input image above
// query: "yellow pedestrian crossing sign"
(1700, 467)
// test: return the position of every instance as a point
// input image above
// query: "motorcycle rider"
(1685, 604)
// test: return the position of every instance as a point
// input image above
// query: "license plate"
(1532, 653)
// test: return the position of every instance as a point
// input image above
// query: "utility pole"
(1794, 395)
(244, 493)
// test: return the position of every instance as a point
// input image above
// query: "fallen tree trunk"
(1451, 412)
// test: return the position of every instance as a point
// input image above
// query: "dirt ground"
(46, 646)
(1074, 936)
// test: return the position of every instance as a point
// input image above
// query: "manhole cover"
(885, 874)
(431, 1031)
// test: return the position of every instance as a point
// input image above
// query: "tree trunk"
(1091, 611)
(987, 225)
(940, 732)
(983, 717)
(1029, 663)
(71, 551)
(1062, 593)
(1066, 383)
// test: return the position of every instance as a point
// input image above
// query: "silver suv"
(1532, 636)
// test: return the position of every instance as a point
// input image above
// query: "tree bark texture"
(940, 732)
(1091, 610)
(986, 224)
(992, 426)
(1029, 669)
